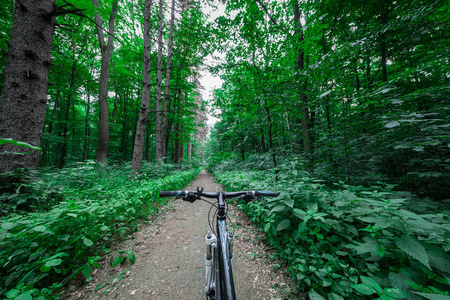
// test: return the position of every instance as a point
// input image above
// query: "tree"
(24, 95)
(106, 50)
(159, 136)
(167, 82)
(144, 111)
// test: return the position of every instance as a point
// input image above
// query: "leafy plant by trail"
(350, 241)
(86, 207)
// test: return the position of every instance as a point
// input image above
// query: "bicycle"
(219, 244)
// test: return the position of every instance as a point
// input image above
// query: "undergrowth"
(349, 242)
(62, 222)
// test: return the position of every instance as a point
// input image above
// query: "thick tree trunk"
(159, 139)
(145, 100)
(106, 50)
(164, 125)
(24, 96)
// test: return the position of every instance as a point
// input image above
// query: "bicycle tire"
(215, 293)
(216, 274)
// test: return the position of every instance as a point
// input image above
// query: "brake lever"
(190, 197)
(249, 197)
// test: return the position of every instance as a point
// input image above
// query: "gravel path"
(170, 258)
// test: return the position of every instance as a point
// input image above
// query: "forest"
(341, 106)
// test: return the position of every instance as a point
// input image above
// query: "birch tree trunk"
(167, 83)
(24, 95)
(159, 140)
(145, 101)
(106, 50)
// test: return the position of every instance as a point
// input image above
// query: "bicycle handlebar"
(216, 195)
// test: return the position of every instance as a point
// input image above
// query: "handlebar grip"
(266, 194)
(171, 194)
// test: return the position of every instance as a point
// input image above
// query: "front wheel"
(215, 293)
(216, 274)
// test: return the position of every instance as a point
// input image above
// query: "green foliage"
(371, 115)
(17, 143)
(79, 211)
(348, 241)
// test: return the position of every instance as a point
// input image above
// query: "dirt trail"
(170, 258)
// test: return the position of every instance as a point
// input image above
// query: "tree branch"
(267, 12)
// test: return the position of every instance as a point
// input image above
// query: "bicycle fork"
(211, 243)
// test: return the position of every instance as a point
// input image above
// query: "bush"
(350, 241)
(96, 204)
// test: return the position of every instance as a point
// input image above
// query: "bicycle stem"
(221, 213)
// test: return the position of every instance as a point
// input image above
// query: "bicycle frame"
(225, 270)
(222, 241)
(221, 283)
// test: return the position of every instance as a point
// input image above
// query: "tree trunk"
(300, 67)
(106, 50)
(124, 124)
(164, 125)
(62, 161)
(24, 95)
(43, 158)
(176, 155)
(159, 140)
(145, 100)
(147, 143)
(87, 129)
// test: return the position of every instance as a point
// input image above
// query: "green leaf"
(87, 272)
(411, 247)
(315, 296)
(289, 202)
(12, 293)
(439, 259)
(17, 143)
(131, 257)
(433, 296)
(395, 293)
(368, 247)
(118, 260)
(45, 269)
(53, 262)
(9, 225)
(392, 124)
(39, 228)
(24, 296)
(301, 227)
(370, 282)
(364, 289)
(285, 224)
(299, 213)
(267, 227)
(278, 208)
(87, 242)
